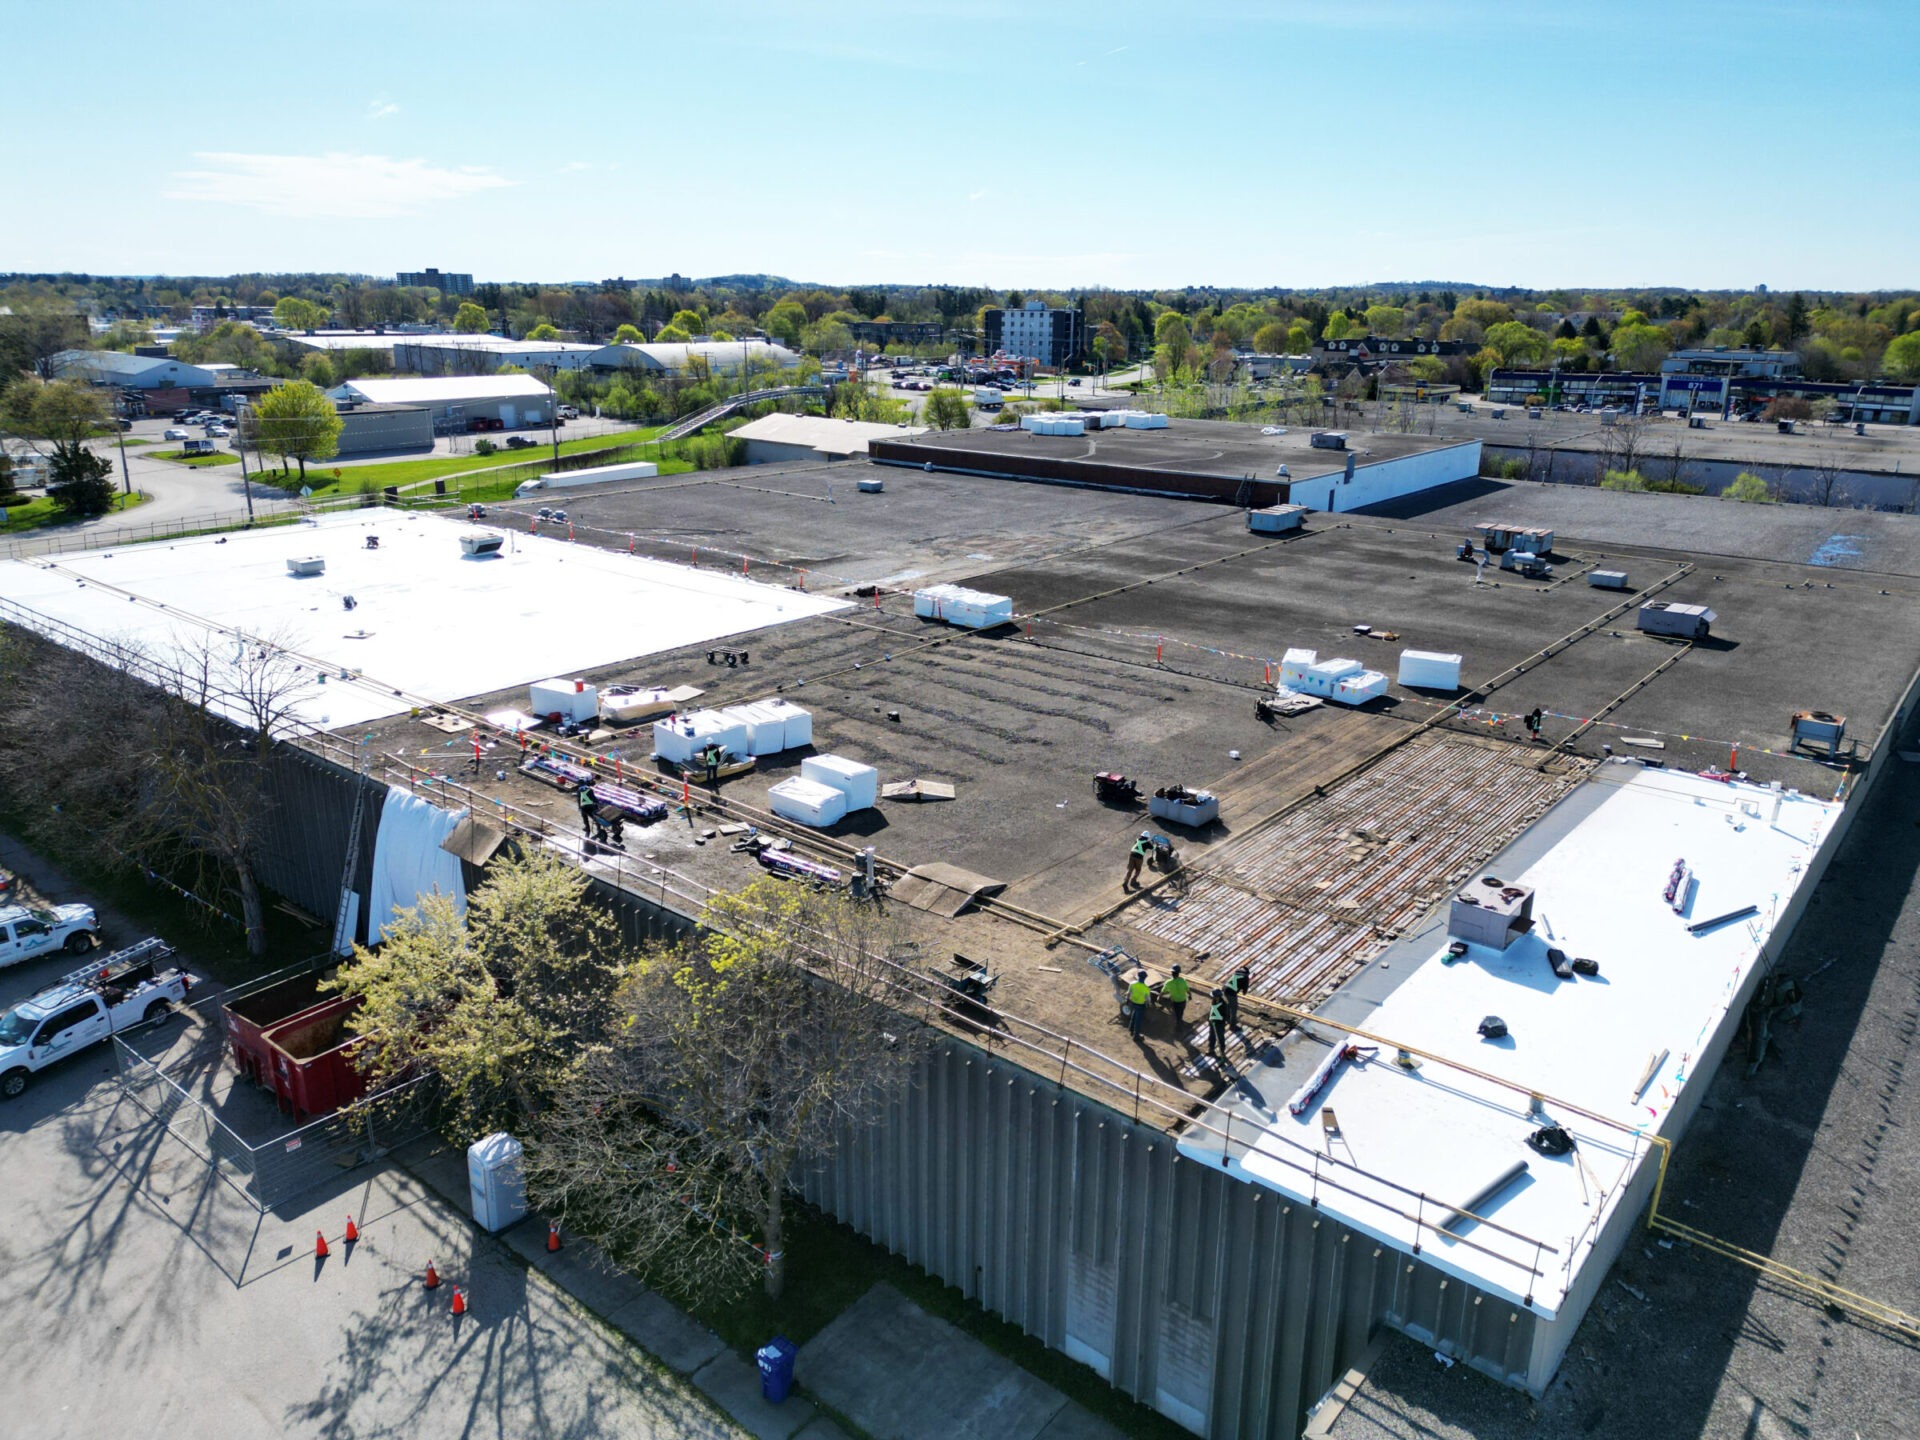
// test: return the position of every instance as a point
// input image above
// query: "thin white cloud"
(381, 109)
(574, 167)
(978, 194)
(334, 186)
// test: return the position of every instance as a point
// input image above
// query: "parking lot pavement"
(142, 1291)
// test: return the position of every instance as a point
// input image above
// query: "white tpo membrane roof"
(1442, 1133)
(428, 620)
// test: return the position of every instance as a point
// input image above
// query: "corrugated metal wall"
(304, 846)
(1223, 1304)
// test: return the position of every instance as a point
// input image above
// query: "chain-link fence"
(276, 1169)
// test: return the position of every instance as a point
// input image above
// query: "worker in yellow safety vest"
(1174, 990)
(1139, 996)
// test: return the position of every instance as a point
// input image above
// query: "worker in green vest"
(1174, 991)
(1216, 1024)
(1139, 996)
(1238, 984)
(1136, 859)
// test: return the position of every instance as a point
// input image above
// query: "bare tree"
(157, 758)
(1676, 453)
(1824, 471)
(762, 1045)
(1621, 443)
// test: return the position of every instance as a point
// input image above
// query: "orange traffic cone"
(459, 1306)
(353, 1232)
(320, 1244)
(432, 1280)
(553, 1237)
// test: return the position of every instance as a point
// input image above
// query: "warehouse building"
(485, 354)
(1219, 1226)
(775, 438)
(724, 356)
(459, 404)
(1201, 459)
(134, 372)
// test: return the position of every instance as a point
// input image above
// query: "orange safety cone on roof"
(459, 1306)
(553, 1237)
(432, 1279)
(353, 1231)
(320, 1244)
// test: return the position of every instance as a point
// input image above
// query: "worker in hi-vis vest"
(1139, 996)
(1216, 1025)
(1174, 990)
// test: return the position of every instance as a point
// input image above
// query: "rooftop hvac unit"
(870, 485)
(1429, 670)
(859, 783)
(807, 802)
(483, 542)
(1607, 579)
(1328, 440)
(1276, 519)
(1689, 622)
(306, 565)
(1817, 730)
(1490, 912)
(573, 700)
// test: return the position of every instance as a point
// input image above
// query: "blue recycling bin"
(776, 1367)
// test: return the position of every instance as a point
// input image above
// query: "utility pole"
(240, 414)
(553, 410)
(120, 422)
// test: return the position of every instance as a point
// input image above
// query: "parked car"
(519, 442)
(28, 932)
(174, 432)
(126, 989)
(220, 432)
(567, 412)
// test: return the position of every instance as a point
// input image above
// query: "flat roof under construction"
(428, 622)
(1611, 1054)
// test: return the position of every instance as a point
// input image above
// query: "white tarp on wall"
(408, 862)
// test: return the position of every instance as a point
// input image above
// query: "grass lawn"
(40, 512)
(332, 480)
(199, 462)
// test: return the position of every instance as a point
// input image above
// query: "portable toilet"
(497, 1182)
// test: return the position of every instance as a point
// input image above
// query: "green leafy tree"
(8, 490)
(1631, 480)
(318, 370)
(1338, 326)
(1901, 358)
(946, 409)
(671, 335)
(1638, 346)
(825, 337)
(497, 1003)
(1516, 344)
(1386, 320)
(694, 322)
(296, 421)
(1173, 345)
(1299, 339)
(1484, 313)
(79, 482)
(290, 312)
(628, 335)
(1749, 488)
(470, 319)
(764, 1044)
(543, 331)
(1271, 338)
(56, 411)
(785, 321)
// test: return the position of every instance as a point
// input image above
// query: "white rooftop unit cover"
(573, 700)
(807, 801)
(1294, 666)
(1141, 421)
(957, 605)
(636, 704)
(799, 723)
(681, 738)
(766, 727)
(1346, 681)
(1429, 670)
(1276, 519)
(859, 783)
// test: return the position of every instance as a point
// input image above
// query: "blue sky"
(1293, 142)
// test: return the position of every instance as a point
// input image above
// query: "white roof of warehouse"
(817, 432)
(495, 343)
(342, 339)
(723, 353)
(442, 390)
(428, 620)
(1417, 1143)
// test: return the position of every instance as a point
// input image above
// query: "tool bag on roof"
(1551, 1140)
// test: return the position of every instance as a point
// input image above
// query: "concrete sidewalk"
(890, 1368)
(901, 1374)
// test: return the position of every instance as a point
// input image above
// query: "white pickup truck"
(28, 932)
(127, 988)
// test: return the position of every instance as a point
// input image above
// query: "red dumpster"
(312, 1059)
(251, 1015)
